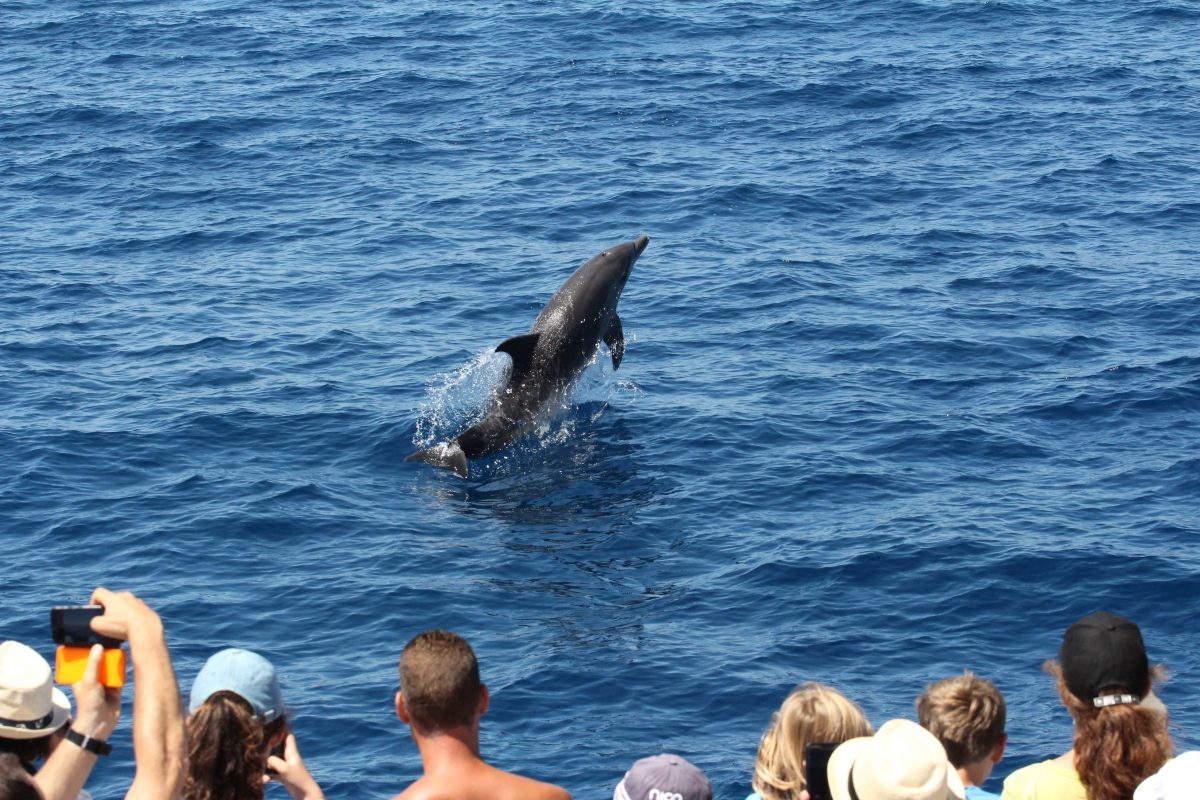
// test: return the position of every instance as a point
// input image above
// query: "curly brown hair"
(1116, 747)
(227, 750)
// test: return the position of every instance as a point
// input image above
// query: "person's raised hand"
(125, 616)
(293, 774)
(97, 707)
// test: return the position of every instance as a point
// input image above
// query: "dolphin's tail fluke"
(448, 455)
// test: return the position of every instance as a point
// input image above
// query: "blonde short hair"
(966, 714)
(812, 713)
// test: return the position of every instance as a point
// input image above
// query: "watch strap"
(97, 746)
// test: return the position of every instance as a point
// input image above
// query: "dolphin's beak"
(639, 244)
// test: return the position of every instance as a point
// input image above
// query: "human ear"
(484, 699)
(998, 750)
(401, 711)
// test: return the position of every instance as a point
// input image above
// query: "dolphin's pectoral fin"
(615, 339)
(450, 456)
(520, 349)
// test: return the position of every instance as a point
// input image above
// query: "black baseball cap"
(1104, 651)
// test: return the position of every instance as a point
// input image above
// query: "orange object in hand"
(71, 661)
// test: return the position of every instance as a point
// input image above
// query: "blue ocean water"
(912, 377)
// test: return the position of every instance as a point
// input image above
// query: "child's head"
(811, 713)
(966, 714)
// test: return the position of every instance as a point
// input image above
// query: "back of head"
(236, 708)
(439, 678)
(226, 750)
(15, 783)
(664, 777)
(246, 674)
(1103, 677)
(812, 713)
(966, 714)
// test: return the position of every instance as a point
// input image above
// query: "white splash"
(458, 399)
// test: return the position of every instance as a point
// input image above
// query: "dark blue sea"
(912, 376)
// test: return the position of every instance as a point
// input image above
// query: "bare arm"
(157, 709)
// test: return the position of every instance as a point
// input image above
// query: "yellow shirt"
(1046, 780)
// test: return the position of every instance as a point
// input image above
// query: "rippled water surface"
(912, 377)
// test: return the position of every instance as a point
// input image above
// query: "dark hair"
(439, 678)
(227, 749)
(15, 783)
(1116, 747)
(27, 750)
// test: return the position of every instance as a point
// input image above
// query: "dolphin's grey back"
(545, 361)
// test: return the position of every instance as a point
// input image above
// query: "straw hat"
(30, 705)
(902, 761)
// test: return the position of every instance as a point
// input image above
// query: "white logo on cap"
(656, 794)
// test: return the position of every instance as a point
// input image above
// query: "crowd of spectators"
(819, 745)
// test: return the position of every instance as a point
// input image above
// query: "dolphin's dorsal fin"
(615, 339)
(520, 349)
(449, 455)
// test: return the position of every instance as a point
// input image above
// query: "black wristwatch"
(100, 748)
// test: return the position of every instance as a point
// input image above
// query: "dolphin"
(546, 360)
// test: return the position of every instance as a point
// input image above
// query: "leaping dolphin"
(545, 361)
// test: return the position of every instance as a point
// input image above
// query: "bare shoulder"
(483, 782)
(555, 792)
(416, 791)
(530, 789)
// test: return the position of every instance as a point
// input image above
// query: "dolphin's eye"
(605, 253)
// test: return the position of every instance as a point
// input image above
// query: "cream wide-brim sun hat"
(902, 761)
(30, 705)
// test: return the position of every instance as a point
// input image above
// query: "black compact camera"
(72, 626)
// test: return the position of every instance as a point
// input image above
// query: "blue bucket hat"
(246, 674)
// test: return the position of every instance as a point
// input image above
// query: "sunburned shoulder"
(423, 789)
(545, 791)
(508, 786)
(495, 786)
